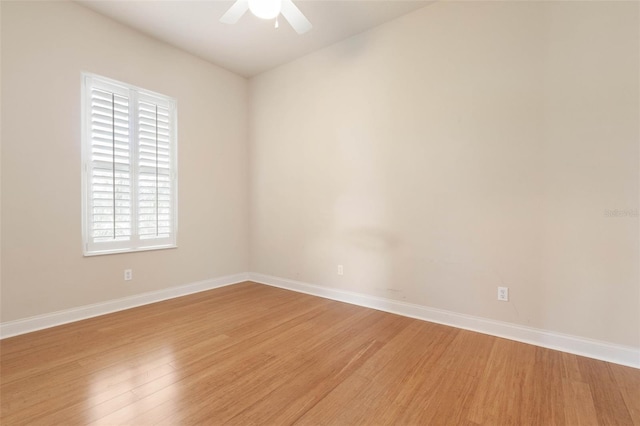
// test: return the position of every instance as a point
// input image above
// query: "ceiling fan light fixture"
(268, 9)
(265, 9)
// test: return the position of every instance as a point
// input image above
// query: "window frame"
(135, 95)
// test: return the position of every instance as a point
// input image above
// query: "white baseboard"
(604, 351)
(39, 322)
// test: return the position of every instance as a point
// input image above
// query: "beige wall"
(460, 148)
(45, 47)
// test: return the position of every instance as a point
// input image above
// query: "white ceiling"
(252, 45)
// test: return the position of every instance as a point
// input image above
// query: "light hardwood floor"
(250, 354)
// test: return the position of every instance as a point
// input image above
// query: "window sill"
(128, 250)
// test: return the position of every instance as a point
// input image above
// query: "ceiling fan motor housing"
(265, 9)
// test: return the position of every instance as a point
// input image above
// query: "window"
(129, 147)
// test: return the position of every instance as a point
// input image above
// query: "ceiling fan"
(268, 9)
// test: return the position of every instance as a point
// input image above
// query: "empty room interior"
(271, 212)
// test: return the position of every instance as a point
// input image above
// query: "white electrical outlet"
(340, 270)
(503, 294)
(128, 274)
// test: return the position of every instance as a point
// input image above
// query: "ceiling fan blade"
(297, 20)
(235, 12)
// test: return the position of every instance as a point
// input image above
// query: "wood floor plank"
(385, 377)
(608, 400)
(629, 385)
(570, 367)
(468, 353)
(578, 404)
(505, 389)
(250, 354)
(353, 395)
(408, 399)
(441, 399)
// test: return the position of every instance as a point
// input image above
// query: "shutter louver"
(154, 171)
(110, 167)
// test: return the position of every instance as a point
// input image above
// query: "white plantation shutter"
(154, 170)
(129, 148)
(110, 165)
